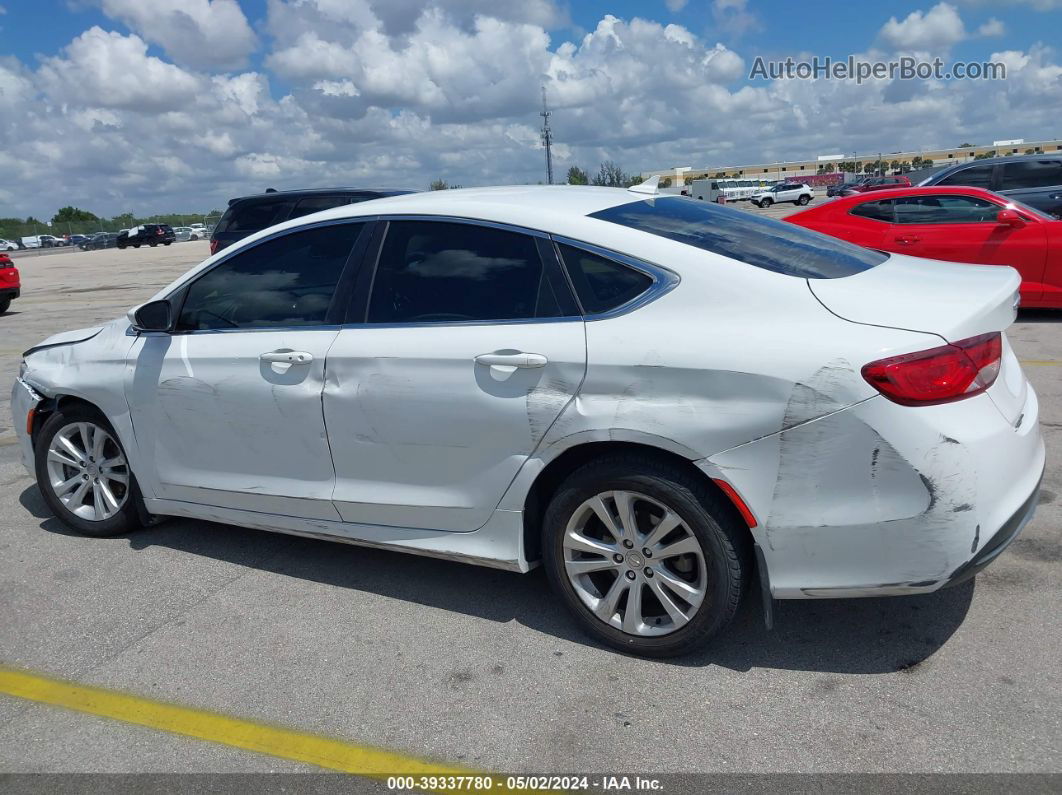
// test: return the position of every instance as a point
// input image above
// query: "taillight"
(213, 247)
(938, 375)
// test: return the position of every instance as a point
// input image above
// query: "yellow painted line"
(261, 738)
(1040, 362)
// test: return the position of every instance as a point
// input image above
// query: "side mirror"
(152, 316)
(1009, 218)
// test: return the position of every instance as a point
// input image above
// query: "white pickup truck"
(797, 193)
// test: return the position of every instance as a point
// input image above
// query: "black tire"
(764, 203)
(5, 304)
(803, 200)
(153, 244)
(166, 243)
(704, 511)
(128, 516)
(136, 245)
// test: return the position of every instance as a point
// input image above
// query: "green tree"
(438, 184)
(576, 176)
(829, 168)
(611, 175)
(965, 146)
(68, 215)
(905, 166)
(665, 182)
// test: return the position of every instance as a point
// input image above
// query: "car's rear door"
(227, 408)
(465, 346)
(962, 228)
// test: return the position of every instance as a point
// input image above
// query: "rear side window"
(286, 281)
(440, 272)
(1032, 174)
(755, 240)
(973, 177)
(875, 211)
(314, 204)
(253, 216)
(602, 284)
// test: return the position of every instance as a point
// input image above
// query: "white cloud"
(197, 33)
(992, 27)
(733, 17)
(348, 93)
(676, 5)
(932, 31)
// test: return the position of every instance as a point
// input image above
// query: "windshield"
(744, 236)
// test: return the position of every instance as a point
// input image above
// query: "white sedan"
(657, 398)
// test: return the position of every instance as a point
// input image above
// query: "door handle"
(512, 360)
(287, 357)
(906, 240)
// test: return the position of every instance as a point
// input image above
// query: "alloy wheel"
(634, 563)
(87, 471)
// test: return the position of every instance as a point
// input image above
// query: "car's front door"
(961, 228)
(464, 353)
(227, 409)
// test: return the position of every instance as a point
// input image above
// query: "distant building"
(802, 168)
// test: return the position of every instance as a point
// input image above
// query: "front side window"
(752, 239)
(945, 209)
(287, 281)
(441, 272)
(973, 177)
(1032, 174)
(602, 284)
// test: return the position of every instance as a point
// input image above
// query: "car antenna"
(650, 186)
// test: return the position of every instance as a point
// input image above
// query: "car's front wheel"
(645, 554)
(766, 202)
(84, 475)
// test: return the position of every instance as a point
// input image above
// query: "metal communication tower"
(547, 138)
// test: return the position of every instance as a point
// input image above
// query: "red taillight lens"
(213, 247)
(938, 375)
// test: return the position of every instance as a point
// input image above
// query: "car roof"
(532, 206)
(993, 160)
(303, 192)
(895, 193)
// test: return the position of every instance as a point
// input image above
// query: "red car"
(956, 224)
(877, 183)
(10, 286)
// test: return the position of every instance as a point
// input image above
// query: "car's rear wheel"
(646, 556)
(84, 475)
(803, 200)
(5, 304)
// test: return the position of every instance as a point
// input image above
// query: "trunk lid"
(949, 299)
(952, 300)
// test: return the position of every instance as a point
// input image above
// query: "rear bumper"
(999, 542)
(10, 292)
(880, 499)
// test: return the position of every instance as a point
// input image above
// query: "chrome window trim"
(664, 280)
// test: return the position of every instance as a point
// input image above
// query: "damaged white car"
(662, 400)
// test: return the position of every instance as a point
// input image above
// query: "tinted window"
(437, 272)
(974, 177)
(315, 204)
(252, 216)
(288, 281)
(752, 239)
(945, 209)
(877, 211)
(1032, 174)
(602, 284)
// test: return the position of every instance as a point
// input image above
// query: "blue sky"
(169, 104)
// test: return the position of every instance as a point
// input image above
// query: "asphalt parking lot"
(483, 668)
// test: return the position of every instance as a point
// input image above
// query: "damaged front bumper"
(24, 402)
